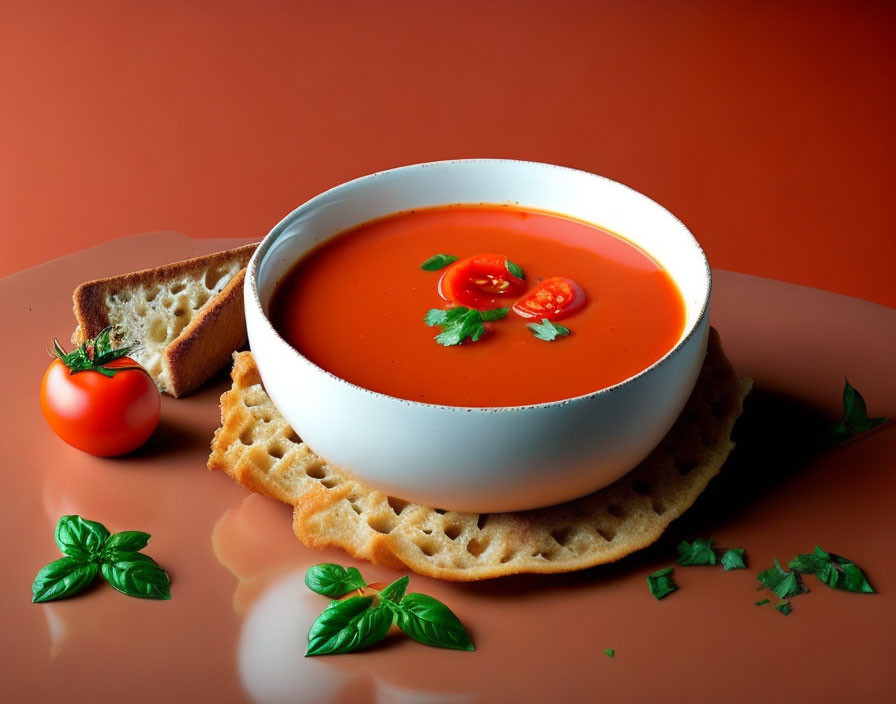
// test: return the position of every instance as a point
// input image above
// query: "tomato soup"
(355, 307)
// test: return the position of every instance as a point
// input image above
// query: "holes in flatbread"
(329, 482)
(292, 436)
(507, 557)
(201, 299)
(381, 523)
(452, 531)
(684, 466)
(427, 548)
(606, 533)
(123, 296)
(440, 511)
(616, 510)
(397, 505)
(481, 520)
(426, 531)
(179, 311)
(247, 436)
(641, 487)
(167, 301)
(659, 508)
(561, 535)
(276, 451)
(477, 547)
(152, 293)
(357, 509)
(315, 471)
(177, 288)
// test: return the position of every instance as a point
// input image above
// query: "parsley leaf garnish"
(460, 323)
(438, 261)
(515, 269)
(733, 559)
(763, 602)
(547, 331)
(855, 416)
(784, 608)
(610, 652)
(661, 583)
(784, 584)
(834, 570)
(699, 552)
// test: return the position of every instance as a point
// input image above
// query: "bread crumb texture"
(192, 306)
(257, 448)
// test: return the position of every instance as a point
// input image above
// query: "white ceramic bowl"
(516, 457)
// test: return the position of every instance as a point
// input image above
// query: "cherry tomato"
(104, 413)
(476, 281)
(553, 298)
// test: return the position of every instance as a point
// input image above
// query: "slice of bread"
(257, 448)
(186, 317)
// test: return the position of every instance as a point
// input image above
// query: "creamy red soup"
(355, 306)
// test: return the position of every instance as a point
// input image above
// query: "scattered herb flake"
(763, 602)
(438, 261)
(855, 417)
(661, 583)
(733, 559)
(834, 570)
(548, 331)
(515, 269)
(699, 552)
(610, 653)
(784, 608)
(460, 323)
(784, 584)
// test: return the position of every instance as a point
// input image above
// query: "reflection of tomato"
(99, 414)
(553, 298)
(476, 281)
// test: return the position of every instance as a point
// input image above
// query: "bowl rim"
(251, 288)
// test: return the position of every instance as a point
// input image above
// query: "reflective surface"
(235, 627)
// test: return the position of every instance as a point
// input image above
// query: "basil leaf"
(784, 608)
(333, 580)
(78, 537)
(733, 559)
(763, 602)
(127, 540)
(395, 591)
(834, 570)
(699, 552)
(515, 269)
(661, 583)
(136, 574)
(61, 578)
(346, 626)
(429, 621)
(548, 331)
(438, 261)
(855, 416)
(784, 584)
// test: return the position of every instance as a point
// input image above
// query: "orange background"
(768, 128)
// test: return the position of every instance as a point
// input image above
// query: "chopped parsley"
(834, 570)
(784, 607)
(763, 602)
(733, 559)
(855, 417)
(438, 261)
(547, 331)
(661, 583)
(610, 652)
(699, 552)
(784, 584)
(460, 323)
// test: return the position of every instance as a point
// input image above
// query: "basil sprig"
(438, 261)
(361, 621)
(91, 550)
(855, 417)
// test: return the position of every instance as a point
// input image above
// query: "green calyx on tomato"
(94, 355)
(476, 281)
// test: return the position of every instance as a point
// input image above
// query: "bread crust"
(204, 346)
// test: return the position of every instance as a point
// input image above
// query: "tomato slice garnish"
(553, 298)
(476, 281)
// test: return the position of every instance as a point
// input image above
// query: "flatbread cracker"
(257, 448)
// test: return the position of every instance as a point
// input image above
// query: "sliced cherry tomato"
(476, 281)
(553, 298)
(98, 400)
